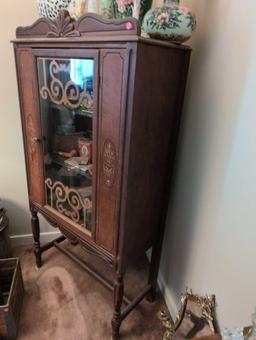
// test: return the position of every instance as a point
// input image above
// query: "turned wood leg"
(118, 299)
(36, 235)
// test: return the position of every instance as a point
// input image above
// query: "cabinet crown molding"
(88, 24)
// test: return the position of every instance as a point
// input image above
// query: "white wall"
(210, 242)
(13, 187)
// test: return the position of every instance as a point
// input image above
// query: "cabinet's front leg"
(118, 300)
(36, 235)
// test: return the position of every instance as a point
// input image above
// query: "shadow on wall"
(201, 134)
(19, 221)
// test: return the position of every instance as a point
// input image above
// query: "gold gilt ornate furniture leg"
(206, 304)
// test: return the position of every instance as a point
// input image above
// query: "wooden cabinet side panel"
(158, 96)
(26, 72)
(110, 146)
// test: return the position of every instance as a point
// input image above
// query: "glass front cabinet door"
(73, 137)
(66, 92)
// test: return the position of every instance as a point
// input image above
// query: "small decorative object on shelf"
(197, 311)
(129, 8)
(51, 8)
(85, 148)
(170, 22)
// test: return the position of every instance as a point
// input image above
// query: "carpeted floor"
(63, 302)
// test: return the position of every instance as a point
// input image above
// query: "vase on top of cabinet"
(172, 22)
(100, 132)
(51, 8)
(132, 8)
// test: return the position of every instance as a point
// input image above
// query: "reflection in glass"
(66, 102)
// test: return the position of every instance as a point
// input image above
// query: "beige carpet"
(63, 302)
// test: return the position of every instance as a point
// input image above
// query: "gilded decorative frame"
(206, 304)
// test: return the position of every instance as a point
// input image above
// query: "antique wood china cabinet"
(100, 110)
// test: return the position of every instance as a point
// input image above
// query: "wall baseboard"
(169, 297)
(27, 239)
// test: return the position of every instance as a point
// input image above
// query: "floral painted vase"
(51, 8)
(170, 22)
(129, 8)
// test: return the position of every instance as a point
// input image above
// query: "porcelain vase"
(51, 8)
(171, 21)
(129, 8)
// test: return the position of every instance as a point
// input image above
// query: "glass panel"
(66, 102)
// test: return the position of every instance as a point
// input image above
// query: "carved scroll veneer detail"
(68, 201)
(59, 93)
(109, 163)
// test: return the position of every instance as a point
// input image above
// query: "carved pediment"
(89, 24)
(63, 26)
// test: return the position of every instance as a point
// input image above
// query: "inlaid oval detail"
(109, 165)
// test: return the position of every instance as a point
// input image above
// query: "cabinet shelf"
(72, 169)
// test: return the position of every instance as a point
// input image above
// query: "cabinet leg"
(36, 235)
(118, 299)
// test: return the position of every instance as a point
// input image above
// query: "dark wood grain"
(31, 123)
(110, 142)
(155, 119)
